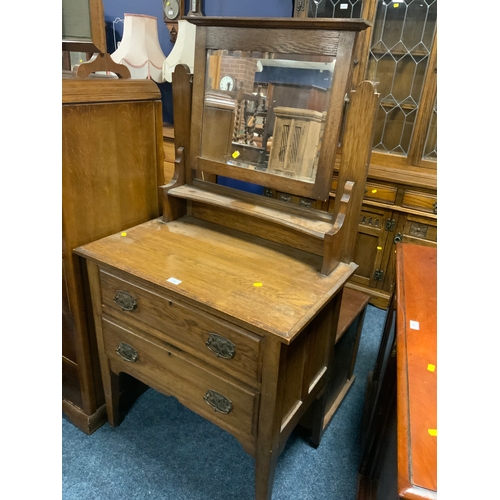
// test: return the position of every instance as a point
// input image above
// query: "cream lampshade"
(183, 50)
(140, 49)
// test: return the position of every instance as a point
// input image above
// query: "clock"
(171, 9)
(227, 82)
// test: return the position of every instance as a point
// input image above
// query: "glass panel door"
(402, 38)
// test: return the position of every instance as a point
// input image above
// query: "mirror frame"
(97, 41)
(314, 37)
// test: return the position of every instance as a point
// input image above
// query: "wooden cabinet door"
(409, 229)
(370, 245)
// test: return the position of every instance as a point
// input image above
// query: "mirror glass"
(266, 111)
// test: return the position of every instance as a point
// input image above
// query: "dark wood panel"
(71, 389)
(278, 23)
(266, 40)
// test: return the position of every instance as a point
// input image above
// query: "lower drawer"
(167, 369)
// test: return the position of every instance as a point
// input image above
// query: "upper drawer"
(379, 192)
(375, 192)
(221, 344)
(420, 201)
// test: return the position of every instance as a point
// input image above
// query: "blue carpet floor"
(164, 451)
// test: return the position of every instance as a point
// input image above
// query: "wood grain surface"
(267, 287)
(417, 371)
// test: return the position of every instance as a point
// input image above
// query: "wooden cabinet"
(391, 213)
(299, 96)
(399, 52)
(111, 170)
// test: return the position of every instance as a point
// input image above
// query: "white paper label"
(414, 325)
(174, 281)
(343, 6)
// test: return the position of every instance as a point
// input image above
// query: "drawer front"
(420, 201)
(419, 230)
(375, 192)
(379, 192)
(165, 368)
(222, 345)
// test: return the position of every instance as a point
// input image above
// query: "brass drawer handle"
(125, 300)
(221, 346)
(218, 402)
(127, 352)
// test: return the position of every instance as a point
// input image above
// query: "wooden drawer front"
(420, 201)
(166, 369)
(229, 348)
(420, 230)
(375, 192)
(379, 192)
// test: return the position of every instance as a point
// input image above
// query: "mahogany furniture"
(111, 170)
(400, 454)
(230, 301)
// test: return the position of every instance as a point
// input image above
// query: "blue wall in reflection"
(318, 78)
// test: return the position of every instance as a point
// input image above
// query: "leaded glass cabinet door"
(329, 8)
(402, 59)
(398, 52)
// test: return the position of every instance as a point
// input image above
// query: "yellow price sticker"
(431, 367)
(396, 5)
(374, 191)
(257, 283)
(236, 154)
(124, 234)
(433, 432)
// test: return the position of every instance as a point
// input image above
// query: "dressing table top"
(264, 286)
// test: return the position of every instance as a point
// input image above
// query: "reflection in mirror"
(266, 111)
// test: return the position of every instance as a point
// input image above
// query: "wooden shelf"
(305, 220)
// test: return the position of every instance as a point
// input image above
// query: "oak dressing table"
(230, 301)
